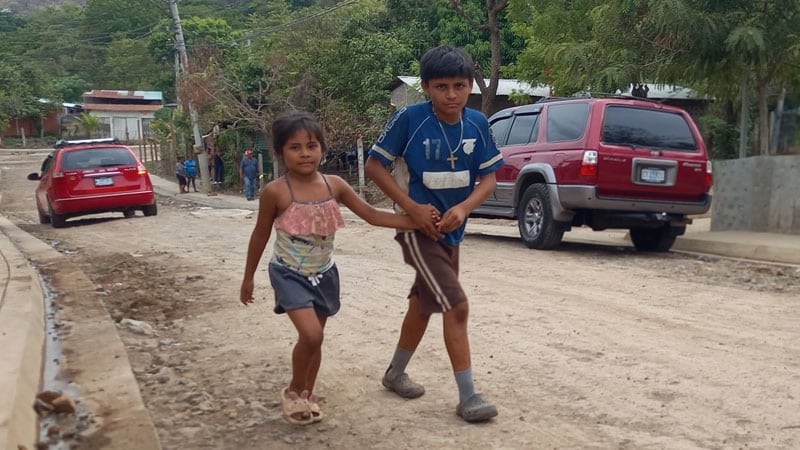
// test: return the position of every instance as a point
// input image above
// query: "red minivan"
(92, 176)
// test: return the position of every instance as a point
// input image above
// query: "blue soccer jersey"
(436, 162)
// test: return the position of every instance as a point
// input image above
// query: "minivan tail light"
(709, 176)
(142, 170)
(589, 163)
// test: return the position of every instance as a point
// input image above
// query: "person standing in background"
(180, 173)
(191, 173)
(248, 170)
(219, 168)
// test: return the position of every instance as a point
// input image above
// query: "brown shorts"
(436, 284)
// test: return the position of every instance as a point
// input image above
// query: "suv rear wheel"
(537, 227)
(653, 239)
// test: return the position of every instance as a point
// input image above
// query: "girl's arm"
(380, 175)
(345, 194)
(267, 207)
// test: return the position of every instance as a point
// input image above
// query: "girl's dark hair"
(288, 124)
(446, 61)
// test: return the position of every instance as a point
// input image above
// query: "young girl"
(302, 207)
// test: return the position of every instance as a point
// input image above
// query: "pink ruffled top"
(304, 234)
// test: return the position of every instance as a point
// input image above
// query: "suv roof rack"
(597, 95)
(65, 143)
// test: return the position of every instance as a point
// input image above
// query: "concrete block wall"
(759, 193)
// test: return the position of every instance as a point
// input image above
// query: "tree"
(130, 66)
(19, 86)
(708, 45)
(491, 27)
(89, 123)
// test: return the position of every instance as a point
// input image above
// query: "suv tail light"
(589, 163)
(709, 176)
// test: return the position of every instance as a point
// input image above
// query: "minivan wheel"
(653, 239)
(58, 220)
(537, 227)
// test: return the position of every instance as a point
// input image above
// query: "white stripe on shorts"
(413, 248)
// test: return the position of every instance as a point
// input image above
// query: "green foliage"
(10, 22)
(107, 19)
(70, 88)
(198, 33)
(252, 59)
(720, 136)
(89, 123)
(21, 87)
(129, 65)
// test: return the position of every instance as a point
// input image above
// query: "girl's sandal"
(295, 410)
(314, 409)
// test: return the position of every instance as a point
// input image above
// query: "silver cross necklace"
(453, 158)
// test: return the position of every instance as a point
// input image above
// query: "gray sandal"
(403, 386)
(476, 409)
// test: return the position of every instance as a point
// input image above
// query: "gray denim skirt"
(295, 291)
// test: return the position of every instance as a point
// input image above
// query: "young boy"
(438, 148)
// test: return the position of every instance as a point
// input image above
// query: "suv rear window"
(624, 125)
(96, 157)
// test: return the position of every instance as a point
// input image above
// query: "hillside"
(23, 6)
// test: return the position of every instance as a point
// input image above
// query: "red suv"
(613, 162)
(92, 176)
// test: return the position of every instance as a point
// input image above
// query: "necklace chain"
(447, 141)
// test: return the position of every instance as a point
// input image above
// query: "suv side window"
(641, 127)
(566, 122)
(499, 128)
(524, 129)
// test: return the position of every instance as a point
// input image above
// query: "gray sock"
(399, 362)
(465, 387)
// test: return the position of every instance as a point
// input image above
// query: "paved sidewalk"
(21, 304)
(22, 334)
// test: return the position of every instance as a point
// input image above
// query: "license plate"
(103, 181)
(653, 175)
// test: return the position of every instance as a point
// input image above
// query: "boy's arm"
(420, 214)
(456, 215)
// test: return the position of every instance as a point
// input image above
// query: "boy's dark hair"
(289, 124)
(446, 61)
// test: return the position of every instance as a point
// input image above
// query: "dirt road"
(585, 347)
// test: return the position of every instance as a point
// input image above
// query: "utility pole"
(199, 151)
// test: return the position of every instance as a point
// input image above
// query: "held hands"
(425, 217)
(452, 219)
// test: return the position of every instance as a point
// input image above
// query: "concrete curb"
(102, 374)
(768, 247)
(22, 333)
